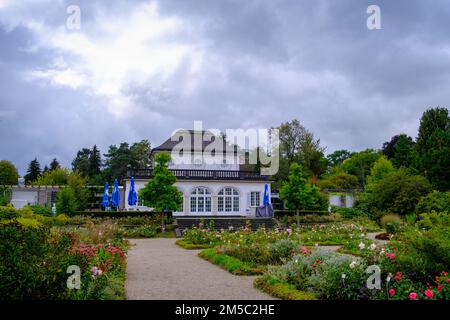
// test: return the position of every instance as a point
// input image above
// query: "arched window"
(200, 200)
(228, 200)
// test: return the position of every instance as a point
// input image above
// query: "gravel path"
(157, 269)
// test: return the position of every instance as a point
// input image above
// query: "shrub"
(339, 180)
(350, 213)
(41, 210)
(397, 192)
(281, 290)
(434, 219)
(8, 212)
(33, 263)
(66, 201)
(328, 282)
(391, 223)
(434, 201)
(146, 231)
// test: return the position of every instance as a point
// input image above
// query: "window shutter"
(248, 199)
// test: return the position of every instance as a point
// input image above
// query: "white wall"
(186, 186)
(20, 198)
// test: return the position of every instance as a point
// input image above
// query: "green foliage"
(190, 246)
(327, 279)
(398, 192)
(299, 145)
(434, 201)
(145, 231)
(379, 170)
(350, 213)
(391, 223)
(360, 164)
(119, 159)
(301, 195)
(33, 171)
(57, 177)
(400, 150)
(33, 265)
(66, 201)
(38, 209)
(8, 173)
(281, 290)
(5, 195)
(160, 193)
(433, 147)
(231, 264)
(8, 212)
(339, 180)
(338, 157)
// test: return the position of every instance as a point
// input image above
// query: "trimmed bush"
(434, 201)
(231, 264)
(8, 212)
(391, 223)
(281, 290)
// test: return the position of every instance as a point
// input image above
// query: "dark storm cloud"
(248, 64)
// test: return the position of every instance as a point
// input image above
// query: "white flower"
(362, 246)
(353, 264)
(382, 251)
(362, 235)
(100, 272)
(373, 246)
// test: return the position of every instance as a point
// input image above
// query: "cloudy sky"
(139, 71)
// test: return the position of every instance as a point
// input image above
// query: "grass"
(190, 246)
(281, 290)
(231, 264)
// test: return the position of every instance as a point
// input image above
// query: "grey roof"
(183, 135)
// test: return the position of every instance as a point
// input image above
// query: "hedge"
(281, 290)
(191, 246)
(231, 264)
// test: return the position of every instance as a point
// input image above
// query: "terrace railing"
(202, 174)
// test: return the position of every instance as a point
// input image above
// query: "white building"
(208, 175)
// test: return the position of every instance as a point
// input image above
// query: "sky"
(138, 70)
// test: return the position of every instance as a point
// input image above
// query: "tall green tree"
(119, 159)
(160, 193)
(54, 164)
(8, 173)
(337, 157)
(299, 194)
(404, 152)
(432, 151)
(360, 163)
(299, 145)
(95, 161)
(33, 172)
(82, 163)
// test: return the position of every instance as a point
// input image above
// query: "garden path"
(158, 269)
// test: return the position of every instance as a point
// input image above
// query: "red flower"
(318, 261)
(387, 255)
(429, 293)
(398, 276)
(439, 287)
(391, 292)
(392, 256)
(412, 296)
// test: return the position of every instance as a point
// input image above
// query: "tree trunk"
(163, 228)
(297, 213)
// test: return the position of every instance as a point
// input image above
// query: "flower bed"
(231, 264)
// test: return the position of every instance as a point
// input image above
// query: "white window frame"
(253, 198)
(203, 196)
(228, 202)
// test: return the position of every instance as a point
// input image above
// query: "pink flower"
(392, 256)
(412, 296)
(398, 276)
(391, 292)
(429, 293)
(439, 287)
(387, 255)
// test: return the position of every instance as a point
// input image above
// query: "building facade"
(208, 175)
